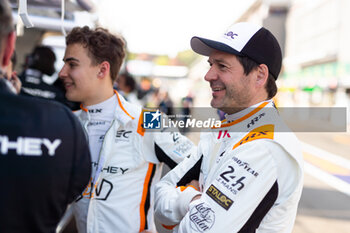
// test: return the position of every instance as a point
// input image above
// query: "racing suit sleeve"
(237, 194)
(81, 160)
(168, 146)
(171, 199)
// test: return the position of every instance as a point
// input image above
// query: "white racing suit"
(250, 175)
(120, 194)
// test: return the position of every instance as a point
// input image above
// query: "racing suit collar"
(121, 114)
(244, 112)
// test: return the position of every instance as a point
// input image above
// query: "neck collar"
(121, 113)
(244, 114)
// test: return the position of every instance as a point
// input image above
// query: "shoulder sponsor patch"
(262, 132)
(219, 197)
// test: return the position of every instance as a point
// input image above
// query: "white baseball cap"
(247, 40)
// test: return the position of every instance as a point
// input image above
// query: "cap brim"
(205, 46)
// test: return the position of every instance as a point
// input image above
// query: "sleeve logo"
(219, 197)
(202, 217)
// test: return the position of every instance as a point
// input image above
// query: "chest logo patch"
(219, 197)
(262, 132)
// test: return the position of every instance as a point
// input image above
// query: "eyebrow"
(218, 61)
(70, 59)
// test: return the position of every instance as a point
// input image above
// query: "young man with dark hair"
(126, 159)
(248, 173)
(44, 156)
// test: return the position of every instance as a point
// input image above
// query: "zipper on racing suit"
(100, 161)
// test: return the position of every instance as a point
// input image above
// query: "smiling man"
(247, 175)
(126, 159)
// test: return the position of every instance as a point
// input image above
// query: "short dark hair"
(42, 58)
(102, 46)
(271, 86)
(249, 65)
(6, 24)
(129, 80)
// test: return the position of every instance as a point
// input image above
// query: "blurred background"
(161, 71)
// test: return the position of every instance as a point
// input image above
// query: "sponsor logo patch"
(262, 132)
(95, 110)
(29, 146)
(202, 217)
(223, 134)
(98, 191)
(245, 166)
(123, 134)
(231, 181)
(255, 119)
(231, 34)
(219, 197)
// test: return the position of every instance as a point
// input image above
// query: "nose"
(211, 74)
(63, 72)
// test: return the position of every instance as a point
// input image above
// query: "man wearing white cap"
(247, 175)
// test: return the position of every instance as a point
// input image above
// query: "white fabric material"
(238, 35)
(235, 177)
(125, 158)
(237, 115)
(101, 116)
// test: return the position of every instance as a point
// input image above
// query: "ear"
(104, 68)
(262, 75)
(9, 48)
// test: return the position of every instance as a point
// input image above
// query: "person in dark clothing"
(39, 63)
(166, 105)
(44, 157)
